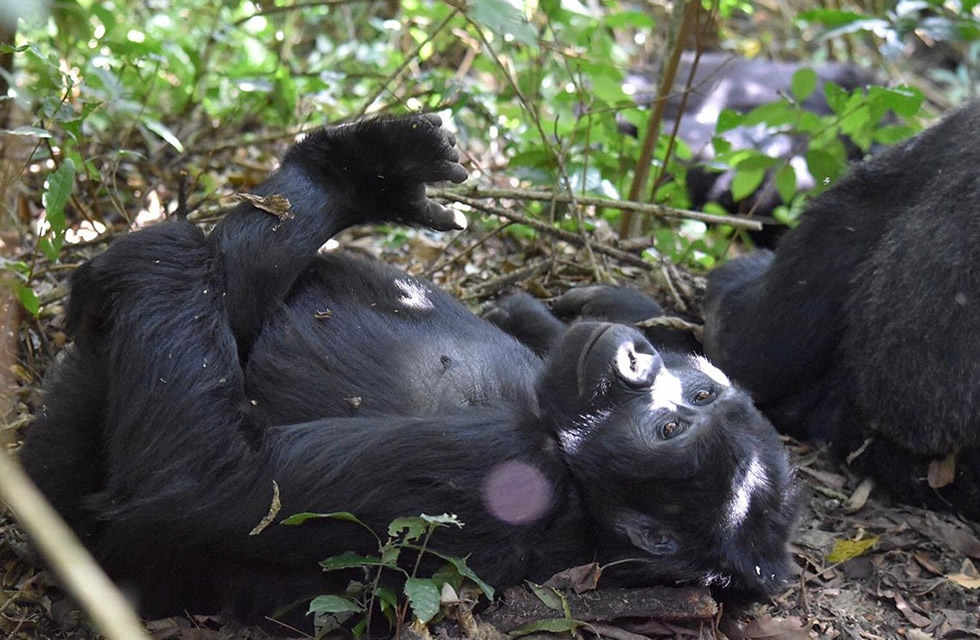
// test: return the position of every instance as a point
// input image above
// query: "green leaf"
(350, 560)
(300, 518)
(387, 598)
(728, 120)
(442, 520)
(551, 598)
(334, 604)
(28, 299)
(60, 184)
(773, 114)
(551, 625)
(803, 84)
(904, 101)
(637, 19)
(423, 596)
(845, 550)
(413, 528)
(745, 182)
(721, 145)
(161, 130)
(465, 571)
(504, 19)
(823, 166)
(785, 181)
(894, 133)
(836, 97)
(831, 17)
(856, 124)
(390, 554)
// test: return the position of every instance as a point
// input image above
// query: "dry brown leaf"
(579, 579)
(274, 507)
(791, 628)
(276, 204)
(956, 536)
(910, 614)
(968, 577)
(926, 562)
(860, 496)
(942, 472)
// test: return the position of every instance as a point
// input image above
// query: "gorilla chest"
(324, 356)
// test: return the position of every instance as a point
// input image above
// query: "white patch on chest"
(414, 295)
(743, 489)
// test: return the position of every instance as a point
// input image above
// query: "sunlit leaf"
(845, 550)
(334, 604)
(423, 597)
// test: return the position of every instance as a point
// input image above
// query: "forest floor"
(912, 574)
(909, 573)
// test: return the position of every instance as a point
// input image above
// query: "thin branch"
(657, 210)
(563, 173)
(567, 236)
(78, 571)
(294, 7)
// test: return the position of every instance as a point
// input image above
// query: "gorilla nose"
(621, 349)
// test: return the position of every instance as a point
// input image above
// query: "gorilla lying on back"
(863, 328)
(205, 368)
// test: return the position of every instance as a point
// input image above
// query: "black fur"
(864, 322)
(207, 367)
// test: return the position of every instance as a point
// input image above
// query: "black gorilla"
(864, 324)
(207, 367)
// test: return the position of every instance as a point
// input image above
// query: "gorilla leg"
(366, 172)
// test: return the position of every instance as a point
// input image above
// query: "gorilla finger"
(435, 216)
(448, 169)
(432, 119)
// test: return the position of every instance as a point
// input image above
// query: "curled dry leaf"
(942, 472)
(270, 517)
(276, 204)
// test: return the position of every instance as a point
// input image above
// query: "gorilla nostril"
(636, 367)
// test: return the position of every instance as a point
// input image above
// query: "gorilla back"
(864, 322)
(207, 368)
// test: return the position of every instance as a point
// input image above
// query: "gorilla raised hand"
(863, 328)
(205, 368)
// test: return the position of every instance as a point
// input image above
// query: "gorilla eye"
(670, 429)
(703, 396)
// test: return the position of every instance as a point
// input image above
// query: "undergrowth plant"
(420, 595)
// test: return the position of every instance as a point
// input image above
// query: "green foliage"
(406, 537)
(935, 21)
(538, 87)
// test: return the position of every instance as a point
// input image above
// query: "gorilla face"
(685, 478)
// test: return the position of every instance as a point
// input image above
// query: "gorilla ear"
(646, 534)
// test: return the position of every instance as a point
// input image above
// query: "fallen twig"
(657, 210)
